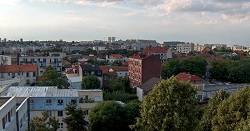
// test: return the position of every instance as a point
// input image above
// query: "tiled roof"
(70, 71)
(139, 56)
(149, 84)
(117, 56)
(188, 77)
(155, 50)
(105, 69)
(90, 67)
(18, 68)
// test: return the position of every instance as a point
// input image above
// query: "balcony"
(87, 103)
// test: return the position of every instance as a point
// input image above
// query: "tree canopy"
(194, 65)
(52, 78)
(230, 70)
(211, 110)
(90, 82)
(75, 118)
(111, 116)
(44, 123)
(169, 106)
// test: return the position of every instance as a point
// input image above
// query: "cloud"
(207, 22)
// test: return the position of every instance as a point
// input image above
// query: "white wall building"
(5, 60)
(185, 47)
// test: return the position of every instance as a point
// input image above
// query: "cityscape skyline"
(197, 21)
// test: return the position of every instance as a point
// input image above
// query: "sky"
(198, 21)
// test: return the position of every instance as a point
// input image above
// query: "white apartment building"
(43, 62)
(185, 47)
(13, 114)
(5, 60)
(27, 72)
(219, 46)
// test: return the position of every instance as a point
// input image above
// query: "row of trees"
(229, 70)
(171, 105)
(75, 120)
(194, 65)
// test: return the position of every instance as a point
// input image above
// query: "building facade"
(27, 72)
(43, 62)
(185, 47)
(143, 67)
(95, 70)
(164, 52)
(5, 60)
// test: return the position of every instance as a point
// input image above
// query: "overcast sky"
(199, 21)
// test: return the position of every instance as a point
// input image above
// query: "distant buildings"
(164, 52)
(43, 62)
(219, 46)
(185, 47)
(143, 67)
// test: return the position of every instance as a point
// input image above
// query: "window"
(3, 123)
(60, 125)
(27, 74)
(73, 101)
(86, 112)
(60, 113)
(49, 113)
(59, 102)
(31, 101)
(97, 98)
(48, 102)
(34, 74)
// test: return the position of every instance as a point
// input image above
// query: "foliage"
(119, 96)
(120, 84)
(106, 116)
(44, 123)
(211, 110)
(169, 106)
(172, 67)
(111, 116)
(219, 69)
(94, 61)
(52, 78)
(73, 60)
(229, 70)
(90, 82)
(75, 118)
(117, 63)
(194, 65)
(233, 112)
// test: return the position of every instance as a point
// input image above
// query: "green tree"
(74, 60)
(172, 67)
(44, 123)
(169, 106)
(75, 118)
(52, 78)
(233, 112)
(90, 82)
(132, 111)
(107, 116)
(119, 96)
(211, 110)
(219, 69)
(117, 63)
(194, 65)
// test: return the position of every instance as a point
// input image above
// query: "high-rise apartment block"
(143, 67)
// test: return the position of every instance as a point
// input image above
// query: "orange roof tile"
(188, 77)
(117, 56)
(105, 69)
(18, 68)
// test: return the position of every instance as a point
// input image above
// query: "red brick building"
(143, 67)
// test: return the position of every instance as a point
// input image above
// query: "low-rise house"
(120, 71)
(113, 57)
(164, 52)
(88, 69)
(146, 87)
(194, 80)
(5, 60)
(28, 72)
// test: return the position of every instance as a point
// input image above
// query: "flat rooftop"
(41, 91)
(3, 100)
